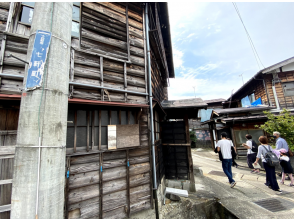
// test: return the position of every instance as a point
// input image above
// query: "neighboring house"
(202, 131)
(272, 86)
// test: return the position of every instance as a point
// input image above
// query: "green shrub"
(283, 123)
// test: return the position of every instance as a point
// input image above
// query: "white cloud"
(178, 58)
(190, 35)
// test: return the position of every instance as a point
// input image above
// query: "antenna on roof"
(242, 77)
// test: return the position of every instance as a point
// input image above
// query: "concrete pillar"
(53, 122)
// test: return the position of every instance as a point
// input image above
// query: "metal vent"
(219, 173)
(275, 205)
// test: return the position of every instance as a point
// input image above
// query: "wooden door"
(8, 132)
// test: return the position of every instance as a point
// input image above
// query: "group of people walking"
(270, 158)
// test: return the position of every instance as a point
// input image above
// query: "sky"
(211, 48)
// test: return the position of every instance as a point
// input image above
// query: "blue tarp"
(257, 102)
(205, 114)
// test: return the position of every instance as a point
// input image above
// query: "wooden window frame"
(91, 127)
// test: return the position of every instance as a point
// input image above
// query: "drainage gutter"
(150, 95)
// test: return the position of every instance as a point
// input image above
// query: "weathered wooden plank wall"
(114, 188)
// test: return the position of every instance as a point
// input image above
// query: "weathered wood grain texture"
(114, 155)
(84, 159)
(114, 173)
(138, 152)
(122, 10)
(118, 213)
(7, 150)
(82, 168)
(128, 136)
(114, 200)
(139, 179)
(139, 159)
(10, 86)
(83, 193)
(87, 94)
(139, 168)
(145, 204)
(114, 185)
(112, 14)
(83, 179)
(114, 163)
(84, 203)
(140, 193)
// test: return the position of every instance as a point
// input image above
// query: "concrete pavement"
(250, 188)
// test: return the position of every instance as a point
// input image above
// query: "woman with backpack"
(269, 160)
(251, 152)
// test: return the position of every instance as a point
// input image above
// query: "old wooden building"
(108, 85)
(273, 86)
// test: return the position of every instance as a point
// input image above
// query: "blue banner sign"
(38, 60)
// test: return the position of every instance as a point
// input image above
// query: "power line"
(249, 38)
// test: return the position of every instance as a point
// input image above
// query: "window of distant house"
(27, 11)
(156, 126)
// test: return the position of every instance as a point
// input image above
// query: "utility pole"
(39, 172)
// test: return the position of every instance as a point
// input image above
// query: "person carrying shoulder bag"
(269, 160)
(251, 152)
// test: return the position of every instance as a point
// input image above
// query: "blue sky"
(211, 49)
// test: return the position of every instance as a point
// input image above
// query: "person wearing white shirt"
(251, 156)
(224, 146)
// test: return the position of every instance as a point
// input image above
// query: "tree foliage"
(283, 123)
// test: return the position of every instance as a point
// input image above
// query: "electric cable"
(248, 36)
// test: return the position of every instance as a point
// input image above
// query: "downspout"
(275, 94)
(150, 95)
(151, 111)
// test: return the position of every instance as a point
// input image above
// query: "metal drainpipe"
(150, 95)
(275, 95)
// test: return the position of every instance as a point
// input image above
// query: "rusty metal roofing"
(184, 103)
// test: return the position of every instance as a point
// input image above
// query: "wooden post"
(75, 132)
(101, 78)
(72, 70)
(127, 27)
(93, 129)
(191, 174)
(67, 187)
(88, 130)
(100, 186)
(125, 81)
(99, 129)
(145, 53)
(128, 185)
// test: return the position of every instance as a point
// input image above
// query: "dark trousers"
(251, 159)
(234, 162)
(227, 168)
(271, 179)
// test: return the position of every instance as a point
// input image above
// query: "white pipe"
(38, 178)
(150, 96)
(276, 97)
